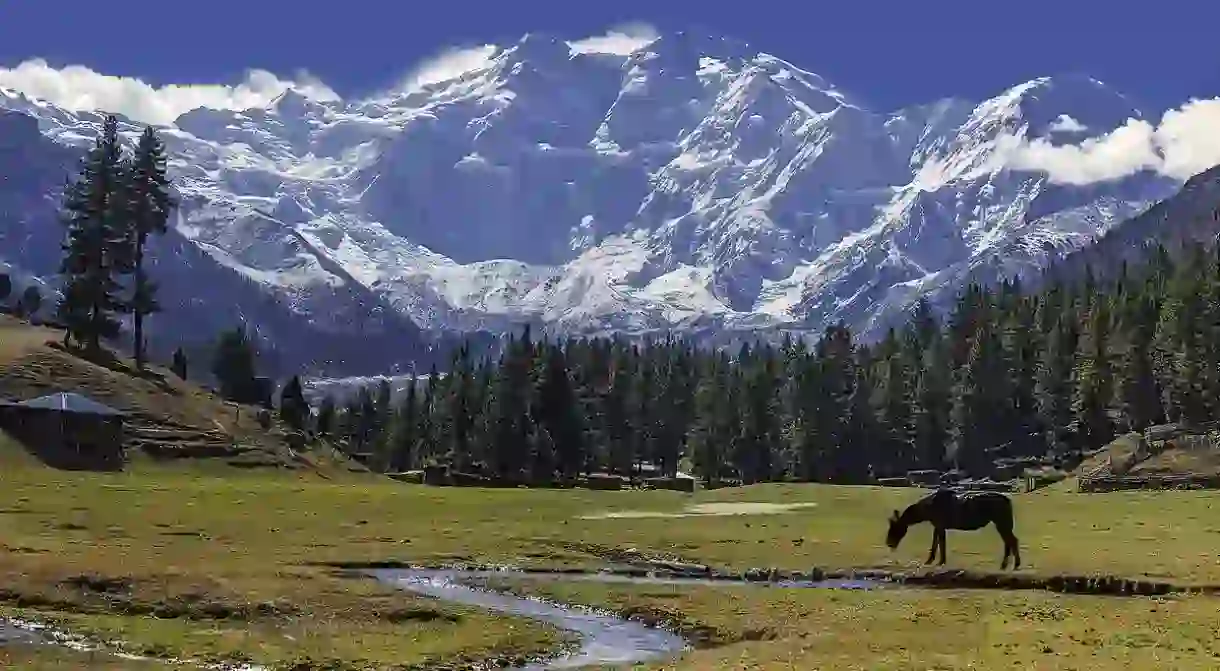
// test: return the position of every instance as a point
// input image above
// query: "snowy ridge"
(683, 182)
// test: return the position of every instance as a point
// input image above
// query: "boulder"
(605, 481)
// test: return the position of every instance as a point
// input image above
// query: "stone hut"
(67, 430)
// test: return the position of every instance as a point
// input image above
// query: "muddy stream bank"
(604, 638)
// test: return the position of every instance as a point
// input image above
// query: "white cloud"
(1185, 143)
(621, 40)
(1066, 124)
(78, 88)
(449, 64)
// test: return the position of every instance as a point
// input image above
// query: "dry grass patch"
(770, 628)
(47, 658)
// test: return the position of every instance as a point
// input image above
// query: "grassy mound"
(169, 419)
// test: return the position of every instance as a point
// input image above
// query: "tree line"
(1005, 373)
(118, 200)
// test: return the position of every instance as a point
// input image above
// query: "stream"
(604, 637)
(608, 639)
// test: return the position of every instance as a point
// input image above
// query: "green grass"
(781, 629)
(234, 561)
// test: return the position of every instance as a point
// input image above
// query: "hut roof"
(71, 403)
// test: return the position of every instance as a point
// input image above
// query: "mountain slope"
(1191, 216)
(200, 292)
(691, 184)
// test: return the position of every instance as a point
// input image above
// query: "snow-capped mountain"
(688, 183)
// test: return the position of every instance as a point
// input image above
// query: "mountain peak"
(541, 45)
(294, 103)
(629, 182)
(1071, 102)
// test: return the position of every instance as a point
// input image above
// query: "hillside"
(1188, 217)
(687, 183)
(1167, 450)
(169, 421)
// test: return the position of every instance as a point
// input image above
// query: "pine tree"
(382, 414)
(1137, 392)
(559, 414)
(179, 365)
(1179, 357)
(1094, 380)
(149, 203)
(363, 413)
(643, 411)
(982, 403)
(460, 411)
(835, 354)
(895, 405)
(429, 431)
(677, 405)
(325, 423)
(30, 302)
(1054, 383)
(932, 406)
(233, 365)
(407, 431)
(707, 438)
(95, 252)
(616, 412)
(1022, 341)
(857, 457)
(809, 446)
(510, 425)
(293, 407)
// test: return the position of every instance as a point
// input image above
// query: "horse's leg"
(943, 537)
(1011, 546)
(935, 542)
(1016, 550)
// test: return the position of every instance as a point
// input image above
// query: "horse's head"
(897, 530)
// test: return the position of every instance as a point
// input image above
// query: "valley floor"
(181, 564)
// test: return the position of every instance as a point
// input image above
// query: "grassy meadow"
(177, 563)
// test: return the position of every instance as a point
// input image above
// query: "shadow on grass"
(109, 360)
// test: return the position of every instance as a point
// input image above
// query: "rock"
(411, 477)
(605, 482)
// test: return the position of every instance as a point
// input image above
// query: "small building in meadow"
(67, 430)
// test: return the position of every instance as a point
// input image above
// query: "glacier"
(686, 183)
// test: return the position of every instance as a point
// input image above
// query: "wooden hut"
(67, 430)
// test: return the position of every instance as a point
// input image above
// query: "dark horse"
(970, 511)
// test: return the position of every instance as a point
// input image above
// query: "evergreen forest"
(1005, 374)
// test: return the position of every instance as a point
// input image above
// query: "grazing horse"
(946, 509)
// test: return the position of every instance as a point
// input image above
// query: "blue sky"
(890, 53)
